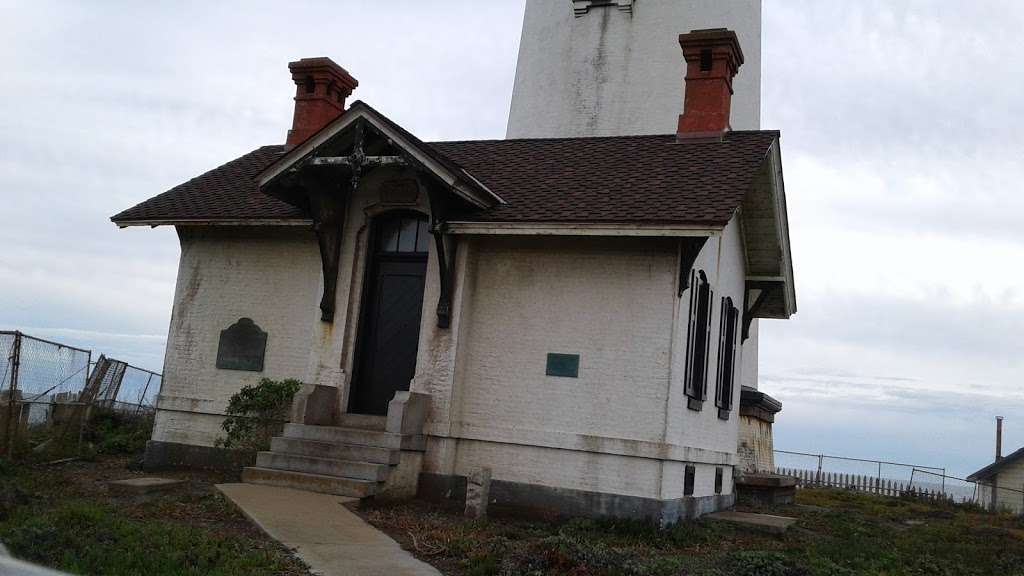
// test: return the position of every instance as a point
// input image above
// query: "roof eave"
(464, 185)
(779, 276)
(584, 229)
(153, 223)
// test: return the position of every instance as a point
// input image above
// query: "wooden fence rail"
(859, 483)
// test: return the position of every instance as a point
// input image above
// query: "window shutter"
(691, 332)
(708, 295)
(698, 342)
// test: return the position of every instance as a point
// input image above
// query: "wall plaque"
(564, 365)
(399, 191)
(242, 346)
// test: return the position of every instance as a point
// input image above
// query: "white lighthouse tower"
(614, 67)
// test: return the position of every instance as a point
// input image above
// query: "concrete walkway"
(324, 534)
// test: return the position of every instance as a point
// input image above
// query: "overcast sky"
(902, 129)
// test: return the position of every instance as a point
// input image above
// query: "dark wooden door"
(393, 304)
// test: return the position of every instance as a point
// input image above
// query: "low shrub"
(116, 432)
(256, 414)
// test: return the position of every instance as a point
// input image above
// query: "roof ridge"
(578, 138)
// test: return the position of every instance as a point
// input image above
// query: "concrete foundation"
(170, 455)
(548, 501)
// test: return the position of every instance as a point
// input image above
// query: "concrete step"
(324, 466)
(310, 482)
(363, 421)
(358, 436)
(337, 451)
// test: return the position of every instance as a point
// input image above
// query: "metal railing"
(930, 482)
(879, 466)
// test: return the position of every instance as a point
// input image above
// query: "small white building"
(1001, 483)
(569, 313)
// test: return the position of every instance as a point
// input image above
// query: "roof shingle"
(619, 179)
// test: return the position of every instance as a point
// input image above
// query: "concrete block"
(764, 522)
(325, 466)
(478, 493)
(333, 434)
(315, 405)
(336, 451)
(310, 482)
(403, 479)
(407, 412)
(146, 485)
(364, 421)
(765, 489)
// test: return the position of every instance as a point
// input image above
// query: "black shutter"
(698, 341)
(726, 358)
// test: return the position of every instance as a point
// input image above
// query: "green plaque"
(564, 365)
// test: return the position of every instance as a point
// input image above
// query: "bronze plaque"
(242, 346)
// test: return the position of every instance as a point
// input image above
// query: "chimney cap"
(322, 67)
(696, 40)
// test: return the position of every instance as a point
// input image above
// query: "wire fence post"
(818, 478)
(142, 398)
(12, 424)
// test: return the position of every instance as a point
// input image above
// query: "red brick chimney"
(712, 59)
(321, 87)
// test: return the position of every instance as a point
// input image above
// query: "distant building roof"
(996, 467)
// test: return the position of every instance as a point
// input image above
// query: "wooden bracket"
(327, 206)
(444, 244)
(688, 251)
(749, 313)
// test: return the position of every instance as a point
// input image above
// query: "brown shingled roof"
(621, 179)
(228, 192)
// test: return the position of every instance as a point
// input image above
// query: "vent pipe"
(999, 438)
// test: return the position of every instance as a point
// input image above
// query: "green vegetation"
(91, 538)
(62, 517)
(114, 432)
(256, 413)
(838, 533)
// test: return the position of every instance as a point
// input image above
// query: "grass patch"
(62, 517)
(838, 533)
(86, 537)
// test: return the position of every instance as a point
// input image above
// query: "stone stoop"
(361, 456)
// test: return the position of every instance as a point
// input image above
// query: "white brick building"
(572, 313)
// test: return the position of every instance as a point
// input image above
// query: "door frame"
(371, 259)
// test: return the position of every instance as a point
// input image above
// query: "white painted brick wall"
(722, 261)
(269, 275)
(607, 300)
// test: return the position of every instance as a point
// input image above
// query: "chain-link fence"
(47, 389)
(127, 388)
